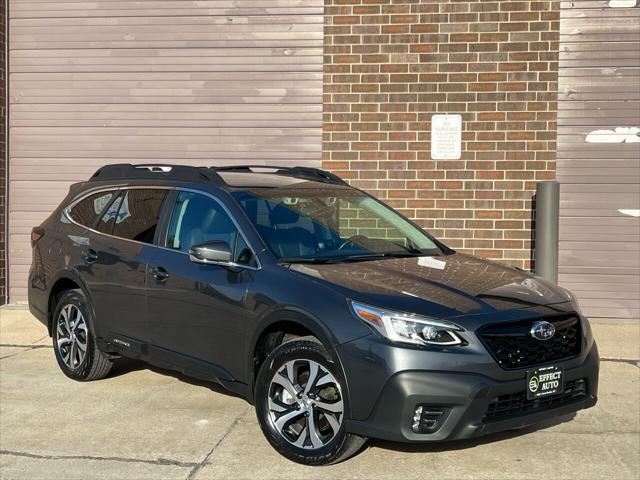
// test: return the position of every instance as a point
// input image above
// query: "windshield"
(331, 224)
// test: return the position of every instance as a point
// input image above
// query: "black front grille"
(512, 345)
(516, 404)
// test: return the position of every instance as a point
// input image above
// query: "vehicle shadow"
(449, 446)
(123, 366)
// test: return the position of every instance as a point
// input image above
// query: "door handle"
(160, 274)
(90, 255)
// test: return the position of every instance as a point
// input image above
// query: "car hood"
(442, 286)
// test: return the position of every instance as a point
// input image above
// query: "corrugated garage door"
(194, 82)
(599, 155)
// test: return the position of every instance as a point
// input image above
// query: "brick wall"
(3, 166)
(391, 64)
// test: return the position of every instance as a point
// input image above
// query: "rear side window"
(108, 220)
(86, 211)
(138, 214)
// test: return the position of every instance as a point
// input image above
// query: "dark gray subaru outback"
(338, 317)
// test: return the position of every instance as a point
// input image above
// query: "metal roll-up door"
(204, 82)
(599, 155)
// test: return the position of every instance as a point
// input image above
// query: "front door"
(197, 312)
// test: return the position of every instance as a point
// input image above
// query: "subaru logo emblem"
(542, 330)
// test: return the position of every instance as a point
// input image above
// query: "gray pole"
(547, 225)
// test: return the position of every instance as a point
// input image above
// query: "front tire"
(300, 405)
(74, 343)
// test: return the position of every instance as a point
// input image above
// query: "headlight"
(403, 327)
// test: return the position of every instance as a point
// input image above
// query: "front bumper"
(466, 398)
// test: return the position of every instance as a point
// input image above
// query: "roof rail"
(126, 171)
(305, 173)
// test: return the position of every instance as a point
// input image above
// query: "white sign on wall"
(446, 137)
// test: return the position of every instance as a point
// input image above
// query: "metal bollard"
(547, 226)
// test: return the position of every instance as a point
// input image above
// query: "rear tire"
(74, 342)
(300, 405)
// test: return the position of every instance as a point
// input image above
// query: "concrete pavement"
(146, 423)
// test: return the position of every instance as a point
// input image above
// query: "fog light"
(428, 418)
(416, 419)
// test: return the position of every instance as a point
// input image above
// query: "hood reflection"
(459, 283)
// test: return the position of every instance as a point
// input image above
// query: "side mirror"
(211, 253)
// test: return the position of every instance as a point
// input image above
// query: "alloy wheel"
(71, 336)
(305, 404)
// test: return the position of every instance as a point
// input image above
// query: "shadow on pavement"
(123, 366)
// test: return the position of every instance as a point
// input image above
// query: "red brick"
(390, 65)
(342, 20)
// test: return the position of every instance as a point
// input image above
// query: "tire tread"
(98, 364)
(350, 444)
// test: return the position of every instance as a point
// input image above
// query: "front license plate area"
(544, 381)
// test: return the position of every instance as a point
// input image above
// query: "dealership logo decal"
(542, 330)
(545, 382)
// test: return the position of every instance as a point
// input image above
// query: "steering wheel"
(351, 241)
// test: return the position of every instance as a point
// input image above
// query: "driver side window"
(198, 219)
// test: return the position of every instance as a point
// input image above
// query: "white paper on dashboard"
(431, 262)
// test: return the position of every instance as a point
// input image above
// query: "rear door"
(197, 312)
(120, 246)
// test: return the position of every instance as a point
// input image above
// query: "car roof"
(229, 178)
(243, 181)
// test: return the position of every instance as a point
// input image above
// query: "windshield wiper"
(311, 259)
(342, 259)
(409, 248)
(346, 258)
